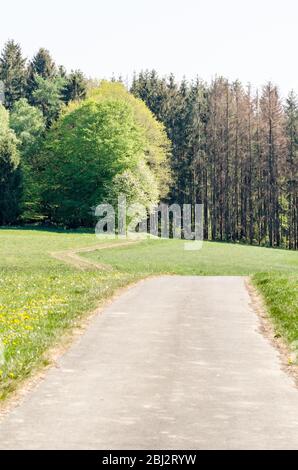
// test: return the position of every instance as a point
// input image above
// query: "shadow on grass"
(44, 228)
(246, 244)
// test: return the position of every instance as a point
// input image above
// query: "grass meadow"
(41, 297)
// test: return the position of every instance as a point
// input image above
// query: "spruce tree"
(76, 87)
(234, 151)
(42, 65)
(273, 146)
(12, 73)
(292, 168)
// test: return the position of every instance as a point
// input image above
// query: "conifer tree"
(42, 65)
(48, 97)
(233, 151)
(292, 167)
(76, 87)
(12, 73)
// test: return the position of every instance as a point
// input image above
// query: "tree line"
(34, 93)
(234, 150)
(68, 144)
(227, 146)
(40, 81)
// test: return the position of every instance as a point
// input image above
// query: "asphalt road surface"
(174, 363)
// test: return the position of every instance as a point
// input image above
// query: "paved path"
(174, 363)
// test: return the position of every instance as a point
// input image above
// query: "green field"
(169, 256)
(41, 298)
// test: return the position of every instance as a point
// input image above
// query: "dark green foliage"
(75, 87)
(10, 188)
(232, 151)
(42, 65)
(10, 176)
(29, 125)
(292, 163)
(45, 85)
(12, 73)
(62, 71)
(153, 91)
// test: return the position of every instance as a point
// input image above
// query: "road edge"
(267, 329)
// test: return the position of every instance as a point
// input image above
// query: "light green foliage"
(95, 150)
(157, 146)
(9, 155)
(138, 185)
(27, 122)
(108, 144)
(8, 135)
(4, 120)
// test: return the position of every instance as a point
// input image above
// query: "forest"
(68, 143)
(233, 149)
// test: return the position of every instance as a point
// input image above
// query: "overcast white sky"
(253, 40)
